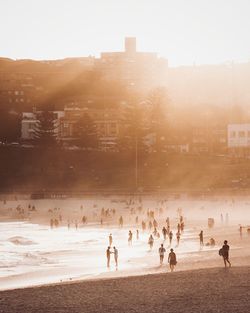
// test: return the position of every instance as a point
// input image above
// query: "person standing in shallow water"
(170, 237)
(130, 236)
(108, 253)
(225, 254)
(172, 260)
(116, 256)
(151, 242)
(162, 250)
(201, 238)
(110, 239)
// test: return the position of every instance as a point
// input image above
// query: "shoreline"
(190, 264)
(202, 290)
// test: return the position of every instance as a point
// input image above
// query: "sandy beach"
(33, 254)
(206, 290)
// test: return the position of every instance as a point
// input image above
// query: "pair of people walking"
(171, 257)
(108, 254)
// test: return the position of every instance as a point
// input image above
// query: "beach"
(34, 254)
(208, 291)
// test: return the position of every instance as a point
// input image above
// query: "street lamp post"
(136, 162)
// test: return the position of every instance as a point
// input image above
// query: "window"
(233, 134)
(248, 133)
(242, 134)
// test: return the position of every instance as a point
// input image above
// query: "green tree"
(45, 134)
(10, 126)
(158, 102)
(135, 127)
(86, 132)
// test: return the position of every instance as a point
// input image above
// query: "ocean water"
(33, 254)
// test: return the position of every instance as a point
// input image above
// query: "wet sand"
(206, 291)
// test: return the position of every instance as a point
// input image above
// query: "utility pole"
(136, 162)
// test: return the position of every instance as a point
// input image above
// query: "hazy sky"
(184, 31)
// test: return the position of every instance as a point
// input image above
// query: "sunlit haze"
(185, 32)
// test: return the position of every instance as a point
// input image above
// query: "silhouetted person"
(225, 254)
(170, 237)
(151, 242)
(110, 239)
(164, 232)
(137, 234)
(130, 237)
(201, 238)
(121, 221)
(240, 230)
(172, 259)
(162, 250)
(116, 256)
(212, 242)
(178, 237)
(108, 253)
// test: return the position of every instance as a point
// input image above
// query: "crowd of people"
(152, 221)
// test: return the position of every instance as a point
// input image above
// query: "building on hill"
(239, 139)
(135, 70)
(208, 139)
(106, 121)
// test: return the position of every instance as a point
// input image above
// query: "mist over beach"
(124, 156)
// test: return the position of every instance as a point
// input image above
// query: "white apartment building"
(238, 136)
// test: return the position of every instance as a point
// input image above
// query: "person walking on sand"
(172, 260)
(162, 250)
(110, 240)
(108, 253)
(225, 254)
(116, 256)
(201, 238)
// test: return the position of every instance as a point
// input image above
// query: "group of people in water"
(136, 214)
(167, 234)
